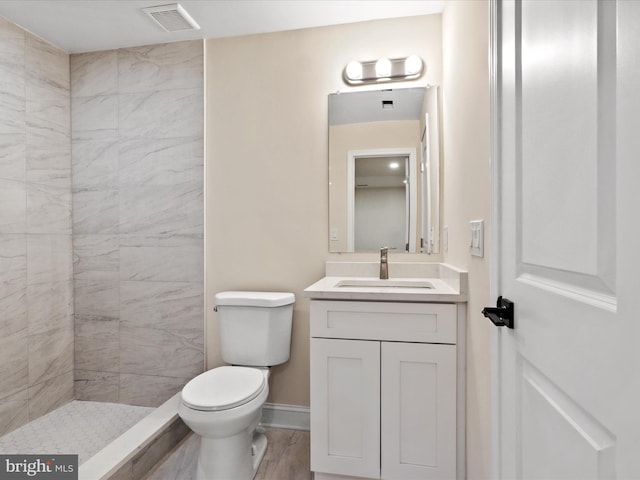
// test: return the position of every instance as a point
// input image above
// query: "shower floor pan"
(111, 440)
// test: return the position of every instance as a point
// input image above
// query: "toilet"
(224, 405)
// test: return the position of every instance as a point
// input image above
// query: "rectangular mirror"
(384, 170)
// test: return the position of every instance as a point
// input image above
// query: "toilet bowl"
(224, 405)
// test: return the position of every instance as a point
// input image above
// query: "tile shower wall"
(138, 267)
(36, 290)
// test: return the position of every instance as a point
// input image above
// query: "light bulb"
(383, 67)
(394, 165)
(412, 65)
(354, 70)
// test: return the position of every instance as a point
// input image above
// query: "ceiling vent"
(172, 17)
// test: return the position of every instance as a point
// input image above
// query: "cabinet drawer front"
(408, 322)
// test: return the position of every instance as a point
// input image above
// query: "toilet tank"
(255, 327)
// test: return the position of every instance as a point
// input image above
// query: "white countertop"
(450, 284)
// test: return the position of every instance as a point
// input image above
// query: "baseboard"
(285, 416)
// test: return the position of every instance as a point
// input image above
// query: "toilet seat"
(223, 388)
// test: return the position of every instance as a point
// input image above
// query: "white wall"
(380, 218)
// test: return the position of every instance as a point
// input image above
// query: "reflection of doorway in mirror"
(381, 199)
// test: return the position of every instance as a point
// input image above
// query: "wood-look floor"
(286, 458)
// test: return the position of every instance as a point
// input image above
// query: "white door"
(567, 201)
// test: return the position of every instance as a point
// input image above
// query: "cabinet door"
(345, 407)
(418, 398)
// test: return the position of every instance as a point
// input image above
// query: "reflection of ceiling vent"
(172, 17)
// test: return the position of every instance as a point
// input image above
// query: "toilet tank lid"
(255, 299)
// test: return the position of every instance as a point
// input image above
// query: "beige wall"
(467, 197)
(266, 161)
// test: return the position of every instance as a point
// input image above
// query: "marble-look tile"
(48, 122)
(14, 409)
(161, 67)
(12, 113)
(13, 305)
(94, 73)
(12, 83)
(96, 344)
(125, 472)
(12, 63)
(50, 354)
(12, 52)
(155, 351)
(49, 259)
(50, 394)
(94, 113)
(164, 161)
(176, 307)
(9, 30)
(149, 390)
(12, 80)
(48, 208)
(98, 136)
(48, 142)
(13, 157)
(47, 69)
(96, 257)
(157, 210)
(162, 258)
(181, 463)
(13, 281)
(96, 298)
(153, 453)
(13, 259)
(13, 206)
(95, 211)
(96, 386)
(170, 113)
(14, 363)
(53, 174)
(94, 164)
(49, 306)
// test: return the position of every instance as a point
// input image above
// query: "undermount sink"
(376, 283)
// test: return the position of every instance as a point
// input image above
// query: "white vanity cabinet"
(386, 386)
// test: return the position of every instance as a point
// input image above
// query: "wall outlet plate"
(476, 242)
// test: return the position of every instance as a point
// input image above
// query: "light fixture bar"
(383, 70)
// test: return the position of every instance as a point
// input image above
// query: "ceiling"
(367, 106)
(91, 25)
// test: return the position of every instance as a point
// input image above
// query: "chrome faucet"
(384, 264)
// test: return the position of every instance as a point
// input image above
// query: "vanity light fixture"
(383, 70)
